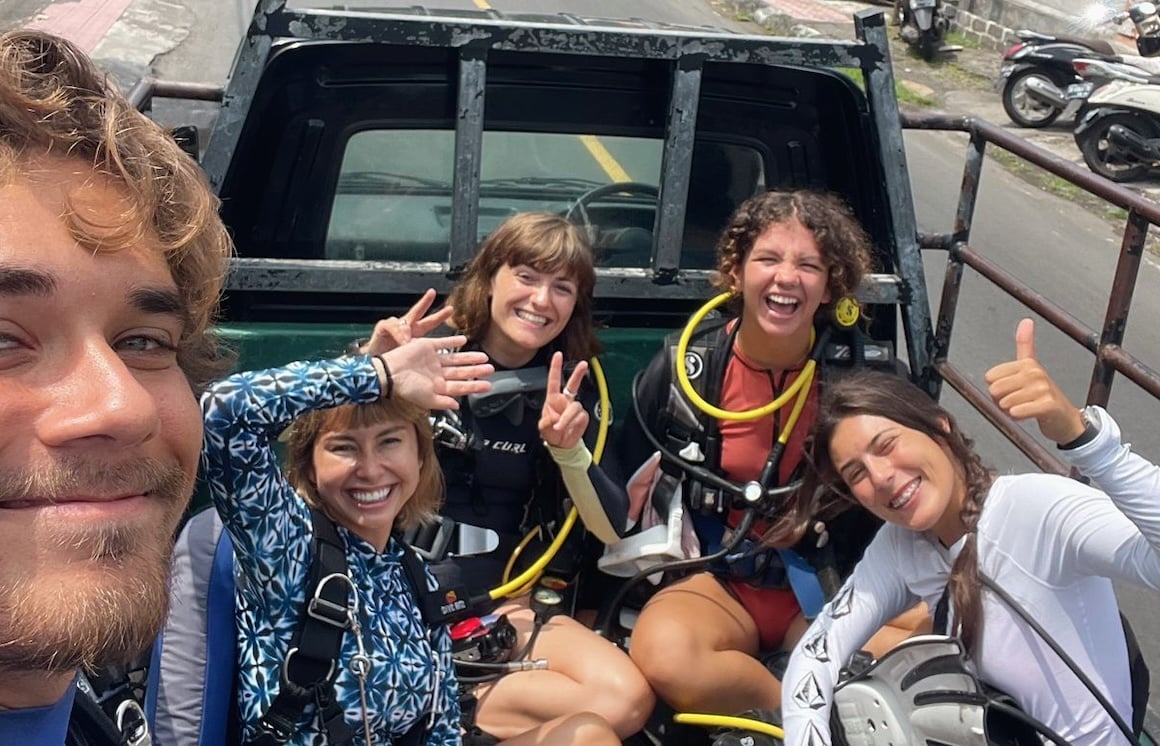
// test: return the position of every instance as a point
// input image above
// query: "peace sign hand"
(563, 419)
(395, 331)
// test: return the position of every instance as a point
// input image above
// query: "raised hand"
(423, 372)
(1024, 390)
(563, 420)
(392, 332)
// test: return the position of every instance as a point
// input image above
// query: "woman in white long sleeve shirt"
(1050, 542)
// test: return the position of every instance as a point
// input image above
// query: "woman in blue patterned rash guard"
(360, 451)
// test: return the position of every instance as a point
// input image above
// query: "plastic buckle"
(285, 675)
(433, 548)
(132, 724)
(328, 612)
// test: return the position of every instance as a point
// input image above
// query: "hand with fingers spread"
(422, 372)
(563, 420)
(396, 331)
(1024, 390)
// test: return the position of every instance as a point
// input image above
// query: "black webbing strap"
(311, 665)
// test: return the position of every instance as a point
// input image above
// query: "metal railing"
(1105, 343)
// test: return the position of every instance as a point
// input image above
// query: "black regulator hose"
(700, 473)
(739, 535)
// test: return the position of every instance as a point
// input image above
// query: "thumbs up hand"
(1024, 391)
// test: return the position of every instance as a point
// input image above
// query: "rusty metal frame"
(1105, 343)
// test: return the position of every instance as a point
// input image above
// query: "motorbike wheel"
(1100, 157)
(1022, 108)
(928, 45)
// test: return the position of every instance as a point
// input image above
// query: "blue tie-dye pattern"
(270, 527)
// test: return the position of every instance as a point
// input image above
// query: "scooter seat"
(1098, 46)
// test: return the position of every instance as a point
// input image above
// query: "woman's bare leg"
(696, 644)
(586, 673)
(583, 729)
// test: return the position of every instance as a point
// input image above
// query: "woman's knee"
(623, 697)
(665, 649)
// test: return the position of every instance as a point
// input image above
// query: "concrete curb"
(762, 14)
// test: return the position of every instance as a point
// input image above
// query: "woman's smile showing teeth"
(902, 499)
(781, 304)
(532, 318)
(371, 497)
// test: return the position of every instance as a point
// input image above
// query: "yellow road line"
(482, 4)
(601, 155)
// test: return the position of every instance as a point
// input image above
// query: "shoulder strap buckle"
(329, 612)
(132, 724)
(431, 541)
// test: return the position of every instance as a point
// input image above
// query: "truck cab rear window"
(393, 197)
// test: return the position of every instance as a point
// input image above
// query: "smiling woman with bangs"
(526, 300)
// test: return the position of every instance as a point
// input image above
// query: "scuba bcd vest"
(191, 696)
(813, 572)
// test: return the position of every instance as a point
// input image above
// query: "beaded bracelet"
(389, 386)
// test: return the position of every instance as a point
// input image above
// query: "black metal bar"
(251, 59)
(468, 157)
(870, 25)
(349, 276)
(676, 165)
(980, 400)
(1119, 304)
(936, 241)
(1118, 195)
(960, 236)
(562, 37)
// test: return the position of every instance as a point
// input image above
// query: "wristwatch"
(1090, 431)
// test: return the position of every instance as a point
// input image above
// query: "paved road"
(1060, 250)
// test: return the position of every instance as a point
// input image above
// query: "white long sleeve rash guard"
(1053, 544)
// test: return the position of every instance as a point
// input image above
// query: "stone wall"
(979, 29)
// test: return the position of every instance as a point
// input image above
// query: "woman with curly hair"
(787, 256)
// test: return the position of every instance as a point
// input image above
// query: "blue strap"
(153, 683)
(803, 579)
(220, 645)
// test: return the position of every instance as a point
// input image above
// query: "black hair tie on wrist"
(389, 386)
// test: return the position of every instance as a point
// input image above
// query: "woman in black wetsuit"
(525, 300)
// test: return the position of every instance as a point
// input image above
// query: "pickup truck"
(361, 157)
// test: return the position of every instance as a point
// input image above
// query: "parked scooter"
(1037, 71)
(1118, 128)
(923, 24)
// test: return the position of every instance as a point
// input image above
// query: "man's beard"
(114, 607)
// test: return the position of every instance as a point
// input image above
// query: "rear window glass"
(393, 197)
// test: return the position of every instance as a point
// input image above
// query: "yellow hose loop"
(528, 577)
(515, 584)
(727, 721)
(798, 406)
(511, 563)
(714, 411)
